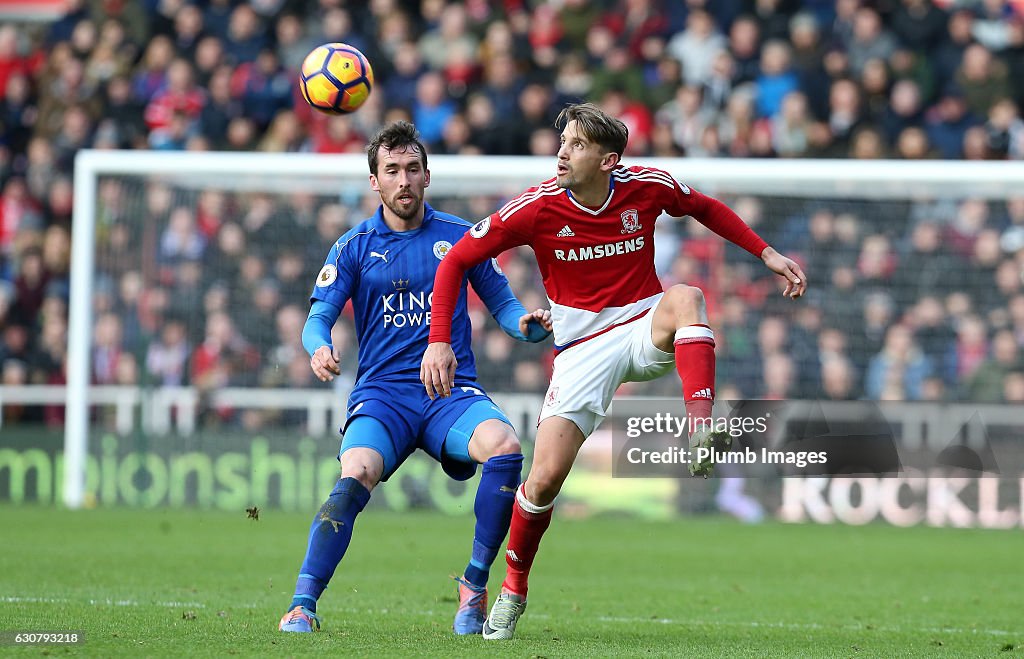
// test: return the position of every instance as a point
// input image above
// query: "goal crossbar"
(460, 176)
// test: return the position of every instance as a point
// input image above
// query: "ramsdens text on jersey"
(600, 251)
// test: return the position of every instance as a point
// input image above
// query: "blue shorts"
(441, 427)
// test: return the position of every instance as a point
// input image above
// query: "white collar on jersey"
(608, 199)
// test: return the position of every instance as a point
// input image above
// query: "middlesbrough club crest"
(630, 221)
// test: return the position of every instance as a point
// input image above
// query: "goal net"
(191, 274)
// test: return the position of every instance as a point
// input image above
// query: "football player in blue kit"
(385, 265)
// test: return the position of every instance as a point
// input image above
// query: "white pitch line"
(810, 625)
(545, 616)
(98, 602)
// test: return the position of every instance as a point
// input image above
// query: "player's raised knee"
(507, 444)
(363, 465)
(685, 298)
(542, 487)
(497, 438)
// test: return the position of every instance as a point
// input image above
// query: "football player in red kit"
(592, 230)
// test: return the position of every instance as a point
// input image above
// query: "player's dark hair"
(395, 136)
(596, 125)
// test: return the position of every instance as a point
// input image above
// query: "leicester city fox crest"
(441, 248)
(630, 221)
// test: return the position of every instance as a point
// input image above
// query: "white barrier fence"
(165, 410)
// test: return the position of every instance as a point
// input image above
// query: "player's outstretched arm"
(437, 369)
(788, 269)
(324, 359)
(721, 219)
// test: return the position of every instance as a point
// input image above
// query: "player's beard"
(405, 212)
(566, 180)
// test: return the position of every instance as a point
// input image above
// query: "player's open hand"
(540, 317)
(796, 280)
(325, 363)
(437, 370)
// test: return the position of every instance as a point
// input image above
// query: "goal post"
(493, 179)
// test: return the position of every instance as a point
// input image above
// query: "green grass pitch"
(197, 583)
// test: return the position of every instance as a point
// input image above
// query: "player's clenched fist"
(437, 370)
(325, 363)
(540, 317)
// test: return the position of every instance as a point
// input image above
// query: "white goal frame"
(462, 176)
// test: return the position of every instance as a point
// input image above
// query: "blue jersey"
(389, 276)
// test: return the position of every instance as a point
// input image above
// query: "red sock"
(523, 540)
(695, 361)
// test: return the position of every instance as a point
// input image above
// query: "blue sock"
(328, 539)
(494, 498)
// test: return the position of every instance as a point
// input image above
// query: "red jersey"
(597, 263)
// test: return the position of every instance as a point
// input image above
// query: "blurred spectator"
(431, 109)
(949, 54)
(1013, 387)
(450, 34)
(400, 87)
(869, 40)
(982, 79)
(845, 115)
(867, 144)
(181, 241)
(935, 335)
(912, 144)
(1005, 131)
(188, 30)
(838, 379)
(904, 110)
(919, 24)
(18, 213)
(107, 349)
(224, 358)
(971, 347)
(264, 87)
(292, 41)
(686, 117)
(18, 111)
(179, 94)
(775, 79)
(124, 112)
(151, 74)
(167, 357)
(245, 36)
(986, 383)
(899, 370)
(616, 73)
(923, 270)
(697, 45)
(575, 18)
(947, 122)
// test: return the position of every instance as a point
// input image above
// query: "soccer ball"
(336, 78)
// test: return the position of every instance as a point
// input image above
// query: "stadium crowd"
(921, 301)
